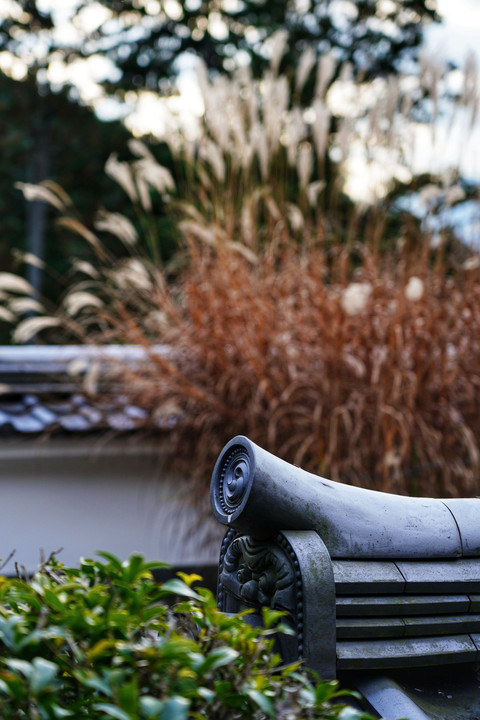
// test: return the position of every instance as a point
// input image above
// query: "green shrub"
(107, 641)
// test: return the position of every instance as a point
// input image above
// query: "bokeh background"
(284, 195)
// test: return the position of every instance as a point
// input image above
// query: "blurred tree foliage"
(46, 132)
(374, 35)
(145, 38)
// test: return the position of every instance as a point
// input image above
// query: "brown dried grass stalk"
(363, 371)
(384, 394)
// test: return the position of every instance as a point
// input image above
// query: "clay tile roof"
(40, 391)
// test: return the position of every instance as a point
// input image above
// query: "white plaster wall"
(87, 495)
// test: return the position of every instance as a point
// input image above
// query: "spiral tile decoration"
(231, 482)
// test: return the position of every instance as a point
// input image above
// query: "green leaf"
(37, 587)
(175, 709)
(128, 696)
(21, 666)
(113, 560)
(217, 658)
(349, 713)
(262, 701)
(189, 579)
(90, 680)
(178, 587)
(223, 688)
(133, 567)
(102, 647)
(150, 705)
(4, 688)
(271, 617)
(291, 670)
(112, 710)
(206, 694)
(325, 691)
(44, 672)
(284, 629)
(60, 712)
(53, 600)
(157, 611)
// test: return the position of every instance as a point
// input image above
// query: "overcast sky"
(460, 31)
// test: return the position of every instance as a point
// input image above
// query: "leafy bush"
(107, 641)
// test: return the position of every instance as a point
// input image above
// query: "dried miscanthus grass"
(12, 283)
(278, 46)
(43, 192)
(78, 300)
(366, 370)
(118, 225)
(258, 141)
(367, 373)
(385, 397)
(77, 227)
(306, 64)
(27, 329)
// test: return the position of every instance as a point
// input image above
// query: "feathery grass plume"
(21, 306)
(211, 153)
(79, 228)
(249, 138)
(471, 263)
(414, 289)
(76, 301)
(29, 259)
(118, 225)
(355, 297)
(295, 218)
(154, 175)
(132, 273)
(43, 193)
(28, 329)
(121, 172)
(275, 94)
(7, 315)
(313, 191)
(304, 164)
(321, 127)
(305, 66)
(138, 148)
(258, 135)
(326, 68)
(277, 46)
(431, 73)
(295, 132)
(15, 284)
(59, 191)
(84, 267)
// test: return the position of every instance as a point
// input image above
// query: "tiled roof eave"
(38, 392)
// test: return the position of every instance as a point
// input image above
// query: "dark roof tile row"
(38, 393)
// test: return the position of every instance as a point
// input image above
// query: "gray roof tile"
(37, 392)
(26, 423)
(75, 423)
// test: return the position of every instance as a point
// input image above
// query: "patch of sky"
(459, 31)
(463, 219)
(454, 141)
